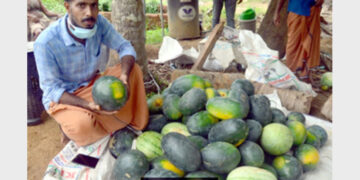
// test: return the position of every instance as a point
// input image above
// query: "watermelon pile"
(197, 131)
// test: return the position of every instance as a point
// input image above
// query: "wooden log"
(210, 42)
(291, 99)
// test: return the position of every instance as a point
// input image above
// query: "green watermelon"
(319, 132)
(155, 103)
(251, 154)
(121, 141)
(130, 165)
(276, 139)
(185, 119)
(164, 163)
(239, 95)
(184, 83)
(297, 116)
(250, 173)
(326, 81)
(175, 127)
(226, 108)
(233, 131)
(181, 152)
(220, 157)
(156, 122)
(165, 92)
(278, 116)
(312, 139)
(260, 109)
(199, 141)
(255, 130)
(308, 155)
(208, 83)
(110, 93)
(211, 92)
(287, 167)
(298, 131)
(245, 85)
(171, 107)
(200, 123)
(192, 101)
(160, 173)
(149, 143)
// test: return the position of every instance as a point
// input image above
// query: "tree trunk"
(128, 18)
(275, 37)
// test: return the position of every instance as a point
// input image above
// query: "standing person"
(303, 43)
(38, 18)
(230, 7)
(67, 57)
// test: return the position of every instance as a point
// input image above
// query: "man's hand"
(125, 79)
(239, 1)
(96, 108)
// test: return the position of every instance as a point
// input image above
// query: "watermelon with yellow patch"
(155, 103)
(110, 93)
(287, 167)
(200, 123)
(298, 131)
(211, 92)
(163, 163)
(208, 83)
(171, 107)
(184, 83)
(308, 156)
(226, 108)
(175, 127)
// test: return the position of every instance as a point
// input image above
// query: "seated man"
(67, 58)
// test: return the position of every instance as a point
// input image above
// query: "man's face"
(82, 13)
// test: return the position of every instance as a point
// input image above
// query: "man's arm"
(127, 62)
(276, 18)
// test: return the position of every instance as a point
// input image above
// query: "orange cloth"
(85, 127)
(303, 44)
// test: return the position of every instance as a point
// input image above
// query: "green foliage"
(105, 5)
(154, 36)
(56, 6)
(152, 6)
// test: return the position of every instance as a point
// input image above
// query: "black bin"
(34, 93)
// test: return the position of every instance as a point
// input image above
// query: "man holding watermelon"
(67, 56)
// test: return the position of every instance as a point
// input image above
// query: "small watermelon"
(297, 116)
(308, 156)
(287, 167)
(298, 131)
(155, 103)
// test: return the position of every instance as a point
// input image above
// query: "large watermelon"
(260, 109)
(149, 143)
(226, 108)
(184, 83)
(200, 123)
(192, 101)
(130, 165)
(181, 152)
(276, 139)
(245, 85)
(250, 173)
(287, 167)
(121, 141)
(171, 107)
(308, 156)
(220, 157)
(110, 93)
(233, 131)
(251, 154)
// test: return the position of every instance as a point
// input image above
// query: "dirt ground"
(43, 140)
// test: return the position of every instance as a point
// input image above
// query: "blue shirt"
(64, 64)
(301, 7)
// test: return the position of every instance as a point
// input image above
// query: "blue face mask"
(81, 33)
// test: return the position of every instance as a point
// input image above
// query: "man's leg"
(230, 7)
(217, 6)
(78, 124)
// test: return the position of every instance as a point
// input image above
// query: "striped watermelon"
(149, 143)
